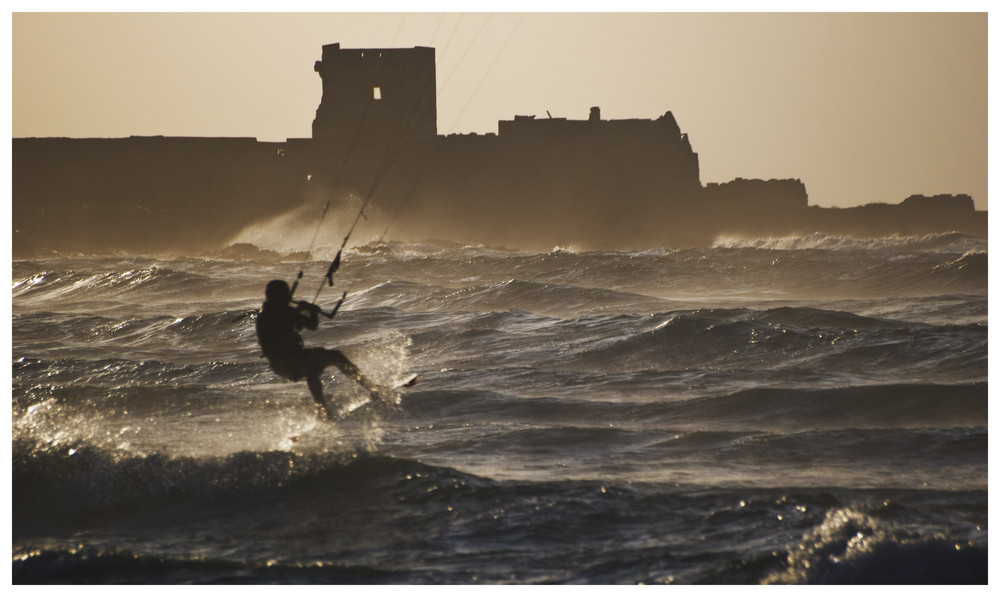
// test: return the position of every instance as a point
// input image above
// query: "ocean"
(764, 411)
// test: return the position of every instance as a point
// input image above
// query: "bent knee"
(287, 369)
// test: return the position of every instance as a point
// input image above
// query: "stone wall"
(376, 96)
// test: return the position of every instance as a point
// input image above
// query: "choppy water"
(781, 410)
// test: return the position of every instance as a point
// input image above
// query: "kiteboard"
(406, 382)
(333, 412)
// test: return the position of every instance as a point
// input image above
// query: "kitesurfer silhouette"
(278, 325)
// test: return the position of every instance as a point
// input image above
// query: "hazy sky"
(861, 107)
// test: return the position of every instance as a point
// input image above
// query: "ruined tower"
(376, 96)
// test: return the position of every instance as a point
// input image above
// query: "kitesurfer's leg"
(340, 361)
(316, 389)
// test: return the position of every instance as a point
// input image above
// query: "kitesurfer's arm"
(308, 315)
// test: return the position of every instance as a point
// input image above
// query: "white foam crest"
(47, 423)
(938, 242)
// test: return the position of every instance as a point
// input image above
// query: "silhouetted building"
(385, 96)
(940, 203)
(537, 183)
(767, 195)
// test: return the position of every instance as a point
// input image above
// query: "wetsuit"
(278, 326)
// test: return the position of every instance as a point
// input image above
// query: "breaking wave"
(938, 242)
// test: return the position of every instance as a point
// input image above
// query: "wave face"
(808, 410)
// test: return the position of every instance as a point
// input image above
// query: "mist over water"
(771, 410)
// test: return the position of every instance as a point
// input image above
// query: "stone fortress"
(539, 182)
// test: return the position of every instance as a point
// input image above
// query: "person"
(278, 324)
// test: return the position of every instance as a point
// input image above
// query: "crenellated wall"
(376, 96)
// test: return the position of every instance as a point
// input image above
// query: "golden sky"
(862, 107)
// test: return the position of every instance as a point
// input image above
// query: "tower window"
(377, 93)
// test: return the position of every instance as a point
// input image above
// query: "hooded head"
(277, 292)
